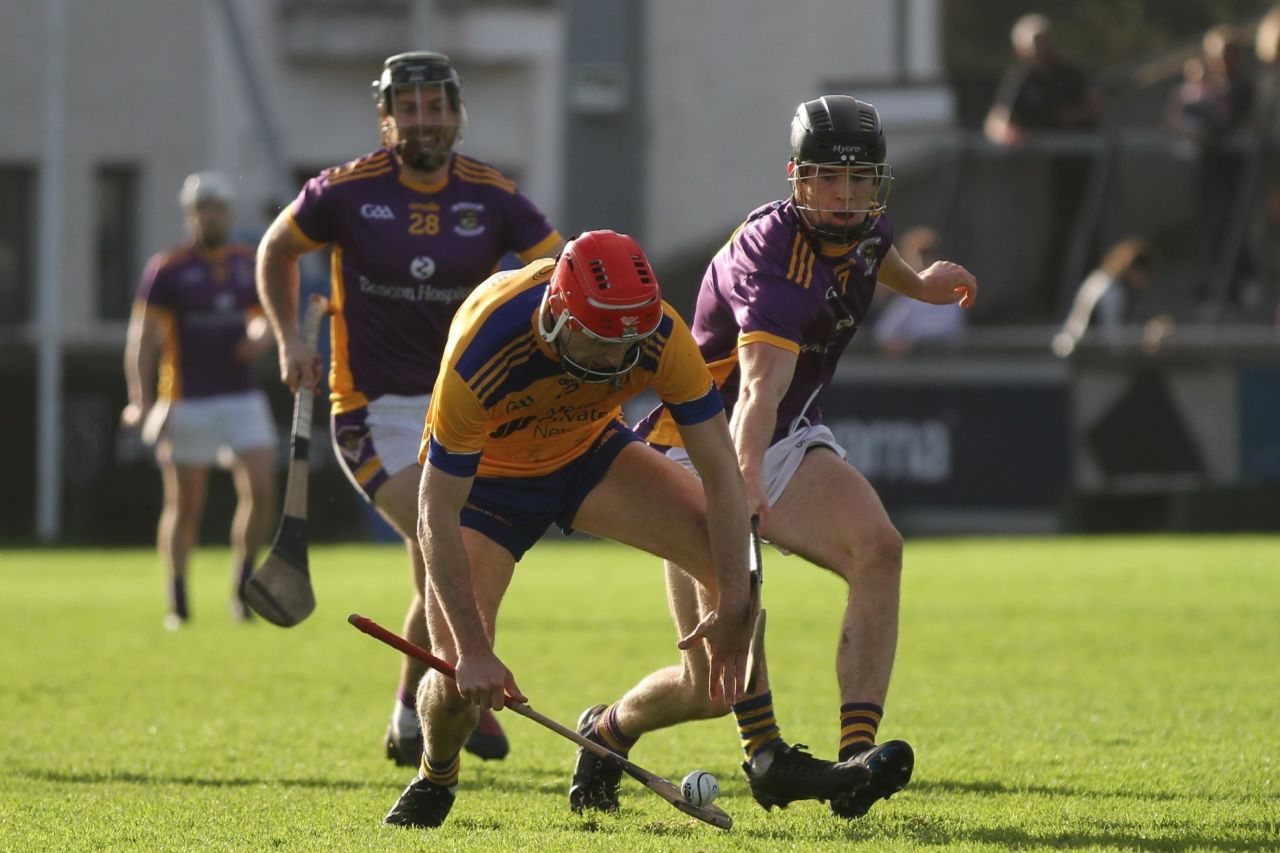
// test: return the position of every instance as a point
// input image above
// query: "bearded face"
(424, 125)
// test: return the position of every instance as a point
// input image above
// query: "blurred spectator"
(1267, 123)
(1211, 112)
(904, 321)
(1106, 297)
(1267, 50)
(1044, 92)
(1196, 107)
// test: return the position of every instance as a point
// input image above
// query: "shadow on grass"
(952, 786)
(128, 778)
(944, 833)
(1118, 838)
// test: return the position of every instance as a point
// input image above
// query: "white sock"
(404, 721)
(761, 761)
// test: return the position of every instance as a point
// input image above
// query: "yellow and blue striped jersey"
(503, 405)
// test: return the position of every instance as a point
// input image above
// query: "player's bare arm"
(766, 372)
(142, 352)
(727, 629)
(278, 285)
(942, 283)
(482, 678)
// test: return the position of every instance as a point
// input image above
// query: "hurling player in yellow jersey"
(525, 430)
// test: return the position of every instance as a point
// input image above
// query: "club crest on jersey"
(869, 250)
(422, 267)
(468, 219)
(351, 441)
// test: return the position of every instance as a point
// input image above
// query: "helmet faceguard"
(602, 303)
(420, 99)
(840, 181)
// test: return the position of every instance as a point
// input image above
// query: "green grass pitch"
(1086, 694)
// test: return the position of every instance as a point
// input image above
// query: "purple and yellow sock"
(858, 724)
(611, 734)
(178, 597)
(757, 725)
(407, 699)
(442, 773)
(246, 569)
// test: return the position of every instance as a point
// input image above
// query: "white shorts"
(380, 440)
(396, 425)
(783, 458)
(211, 430)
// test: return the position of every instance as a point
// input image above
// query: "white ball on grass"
(700, 788)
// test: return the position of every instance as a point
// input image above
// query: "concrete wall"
(727, 75)
(156, 84)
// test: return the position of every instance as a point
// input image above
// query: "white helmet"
(205, 186)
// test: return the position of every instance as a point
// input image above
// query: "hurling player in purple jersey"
(195, 332)
(413, 227)
(778, 306)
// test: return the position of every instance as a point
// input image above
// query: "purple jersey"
(774, 284)
(405, 255)
(205, 298)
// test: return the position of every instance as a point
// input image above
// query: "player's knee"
(874, 554)
(437, 691)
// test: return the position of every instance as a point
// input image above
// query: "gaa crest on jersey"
(467, 219)
(422, 267)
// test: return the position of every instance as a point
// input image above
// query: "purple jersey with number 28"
(405, 255)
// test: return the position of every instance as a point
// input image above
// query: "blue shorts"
(516, 511)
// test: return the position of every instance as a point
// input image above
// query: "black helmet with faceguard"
(425, 140)
(839, 135)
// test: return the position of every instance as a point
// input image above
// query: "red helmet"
(603, 284)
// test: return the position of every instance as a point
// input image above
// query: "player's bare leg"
(447, 719)
(253, 473)
(397, 500)
(185, 487)
(831, 516)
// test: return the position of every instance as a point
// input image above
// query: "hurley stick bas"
(280, 589)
